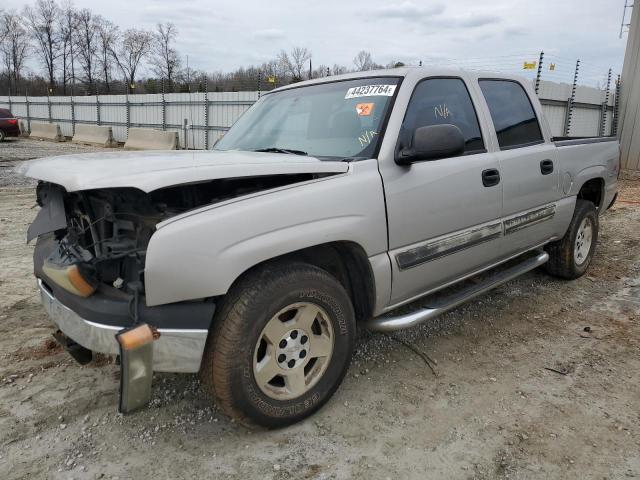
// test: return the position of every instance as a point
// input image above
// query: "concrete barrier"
(149, 139)
(94, 135)
(46, 131)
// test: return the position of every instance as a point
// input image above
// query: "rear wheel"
(571, 256)
(281, 344)
(2, 136)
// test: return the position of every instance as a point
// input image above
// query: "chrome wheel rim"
(583, 241)
(293, 351)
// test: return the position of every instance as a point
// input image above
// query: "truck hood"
(148, 171)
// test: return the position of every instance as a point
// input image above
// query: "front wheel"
(571, 256)
(281, 344)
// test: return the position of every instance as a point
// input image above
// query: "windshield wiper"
(281, 150)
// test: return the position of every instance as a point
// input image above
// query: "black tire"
(228, 362)
(562, 262)
(2, 136)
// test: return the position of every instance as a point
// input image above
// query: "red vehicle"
(8, 125)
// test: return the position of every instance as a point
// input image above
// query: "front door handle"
(546, 167)
(490, 177)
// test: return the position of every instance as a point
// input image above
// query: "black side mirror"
(431, 143)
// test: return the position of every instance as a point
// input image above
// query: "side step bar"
(400, 322)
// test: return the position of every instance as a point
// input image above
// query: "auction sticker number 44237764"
(370, 91)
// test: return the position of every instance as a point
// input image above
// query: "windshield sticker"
(366, 138)
(365, 109)
(442, 111)
(370, 91)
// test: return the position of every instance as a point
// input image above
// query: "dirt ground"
(520, 389)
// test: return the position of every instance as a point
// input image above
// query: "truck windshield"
(332, 120)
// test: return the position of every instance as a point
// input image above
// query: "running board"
(400, 322)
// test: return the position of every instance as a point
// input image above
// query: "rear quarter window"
(513, 116)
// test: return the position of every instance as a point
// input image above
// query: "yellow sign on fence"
(271, 79)
(552, 66)
(529, 65)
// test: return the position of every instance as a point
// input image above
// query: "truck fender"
(201, 255)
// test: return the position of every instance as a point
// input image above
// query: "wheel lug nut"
(281, 358)
(294, 334)
(292, 363)
(303, 353)
(303, 339)
(283, 343)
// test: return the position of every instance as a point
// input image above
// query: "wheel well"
(348, 263)
(592, 191)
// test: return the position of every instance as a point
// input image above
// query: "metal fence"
(202, 118)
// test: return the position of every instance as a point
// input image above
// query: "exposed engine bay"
(104, 233)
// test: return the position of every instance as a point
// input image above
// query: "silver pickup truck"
(330, 203)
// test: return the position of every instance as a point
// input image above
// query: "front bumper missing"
(175, 351)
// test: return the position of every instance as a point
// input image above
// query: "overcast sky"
(224, 35)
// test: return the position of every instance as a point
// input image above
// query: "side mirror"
(432, 142)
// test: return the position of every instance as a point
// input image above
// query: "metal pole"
(49, 105)
(73, 117)
(10, 107)
(539, 74)
(164, 108)
(605, 106)
(616, 109)
(259, 82)
(128, 112)
(26, 100)
(97, 110)
(570, 101)
(206, 114)
(184, 133)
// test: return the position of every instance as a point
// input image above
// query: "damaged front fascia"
(51, 216)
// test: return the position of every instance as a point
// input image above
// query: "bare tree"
(165, 59)
(135, 45)
(42, 21)
(298, 58)
(107, 37)
(68, 22)
(15, 47)
(86, 40)
(363, 61)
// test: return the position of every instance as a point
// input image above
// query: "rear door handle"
(546, 167)
(490, 177)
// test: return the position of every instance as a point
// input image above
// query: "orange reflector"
(136, 337)
(84, 288)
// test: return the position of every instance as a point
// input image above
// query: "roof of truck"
(405, 72)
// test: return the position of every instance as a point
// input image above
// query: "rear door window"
(512, 113)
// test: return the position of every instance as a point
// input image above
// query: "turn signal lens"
(69, 278)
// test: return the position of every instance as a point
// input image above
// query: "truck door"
(528, 165)
(443, 215)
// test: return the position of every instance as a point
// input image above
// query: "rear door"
(528, 165)
(443, 215)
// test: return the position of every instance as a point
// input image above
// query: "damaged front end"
(90, 262)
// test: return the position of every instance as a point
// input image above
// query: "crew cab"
(329, 203)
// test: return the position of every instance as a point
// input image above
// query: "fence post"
(206, 114)
(616, 109)
(127, 112)
(605, 106)
(164, 108)
(26, 100)
(570, 100)
(10, 107)
(184, 133)
(49, 105)
(539, 74)
(97, 110)
(259, 82)
(73, 117)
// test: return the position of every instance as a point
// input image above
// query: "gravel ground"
(519, 388)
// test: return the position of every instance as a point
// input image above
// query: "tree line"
(78, 52)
